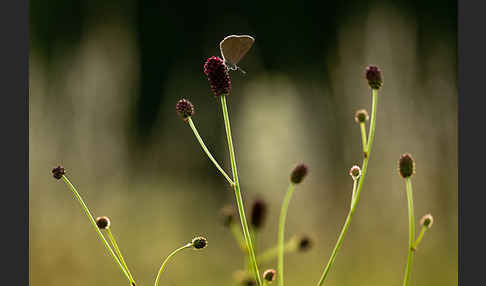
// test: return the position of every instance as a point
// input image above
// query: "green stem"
(93, 222)
(118, 252)
(363, 138)
(281, 233)
(162, 267)
(353, 195)
(273, 252)
(419, 239)
(411, 224)
(239, 199)
(201, 142)
(358, 192)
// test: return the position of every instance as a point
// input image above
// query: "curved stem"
(239, 199)
(358, 192)
(93, 222)
(272, 253)
(162, 267)
(118, 252)
(201, 142)
(281, 233)
(419, 239)
(363, 138)
(411, 225)
(353, 195)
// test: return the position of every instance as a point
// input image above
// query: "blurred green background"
(104, 80)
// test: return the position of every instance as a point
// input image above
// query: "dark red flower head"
(58, 172)
(258, 213)
(373, 75)
(298, 173)
(218, 76)
(185, 108)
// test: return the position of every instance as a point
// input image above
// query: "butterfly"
(233, 48)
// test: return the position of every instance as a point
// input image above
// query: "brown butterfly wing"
(233, 48)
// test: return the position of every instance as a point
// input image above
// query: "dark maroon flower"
(298, 173)
(373, 75)
(58, 172)
(218, 76)
(406, 165)
(258, 213)
(185, 108)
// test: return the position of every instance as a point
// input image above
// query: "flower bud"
(258, 213)
(298, 174)
(58, 172)
(199, 242)
(374, 77)
(361, 116)
(355, 172)
(305, 243)
(427, 220)
(218, 76)
(103, 222)
(269, 275)
(185, 108)
(406, 165)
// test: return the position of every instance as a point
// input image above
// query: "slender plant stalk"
(411, 224)
(358, 192)
(281, 233)
(93, 222)
(239, 199)
(363, 137)
(272, 253)
(419, 239)
(162, 267)
(194, 129)
(353, 196)
(118, 252)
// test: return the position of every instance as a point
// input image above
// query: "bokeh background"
(104, 80)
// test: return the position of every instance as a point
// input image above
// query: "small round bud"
(58, 172)
(269, 275)
(103, 222)
(305, 243)
(355, 172)
(298, 174)
(361, 116)
(218, 76)
(185, 108)
(258, 213)
(427, 220)
(228, 213)
(406, 165)
(374, 77)
(199, 242)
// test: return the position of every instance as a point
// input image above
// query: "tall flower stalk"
(239, 199)
(374, 77)
(296, 177)
(59, 173)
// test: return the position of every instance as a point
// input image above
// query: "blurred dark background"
(104, 80)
